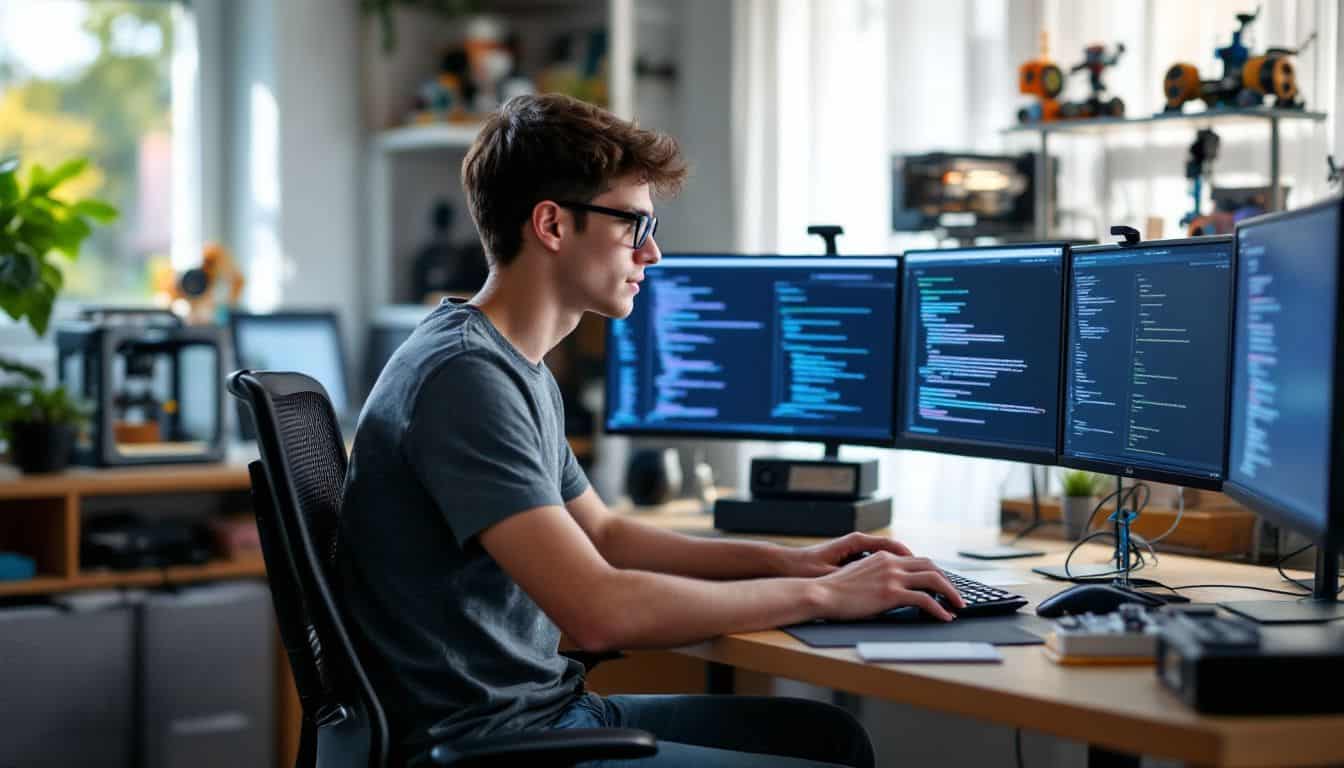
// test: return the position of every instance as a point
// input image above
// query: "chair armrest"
(543, 748)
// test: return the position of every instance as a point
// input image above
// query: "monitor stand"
(1321, 606)
(1012, 549)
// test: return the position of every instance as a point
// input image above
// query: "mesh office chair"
(296, 492)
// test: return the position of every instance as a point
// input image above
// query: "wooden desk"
(1123, 709)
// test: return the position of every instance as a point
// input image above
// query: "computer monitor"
(1146, 350)
(391, 325)
(306, 342)
(768, 347)
(1284, 450)
(963, 194)
(980, 351)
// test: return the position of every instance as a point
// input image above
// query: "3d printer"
(154, 383)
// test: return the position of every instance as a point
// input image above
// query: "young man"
(470, 537)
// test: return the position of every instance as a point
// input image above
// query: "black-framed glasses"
(645, 224)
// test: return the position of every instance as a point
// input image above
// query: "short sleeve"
(573, 480)
(474, 444)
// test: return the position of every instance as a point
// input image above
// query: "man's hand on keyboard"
(883, 581)
(830, 556)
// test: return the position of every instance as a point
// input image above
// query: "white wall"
(294, 205)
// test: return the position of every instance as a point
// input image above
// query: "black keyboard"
(981, 600)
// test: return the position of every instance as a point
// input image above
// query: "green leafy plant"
(34, 226)
(36, 404)
(1079, 483)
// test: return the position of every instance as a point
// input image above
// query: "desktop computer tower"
(66, 687)
(207, 678)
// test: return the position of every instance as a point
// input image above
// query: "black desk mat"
(1019, 629)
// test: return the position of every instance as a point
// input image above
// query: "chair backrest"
(296, 489)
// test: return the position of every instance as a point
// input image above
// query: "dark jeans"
(728, 731)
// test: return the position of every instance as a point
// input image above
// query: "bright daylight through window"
(94, 79)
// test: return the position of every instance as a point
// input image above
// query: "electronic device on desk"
(390, 328)
(1284, 460)
(787, 348)
(981, 599)
(980, 352)
(308, 342)
(1223, 666)
(155, 385)
(1127, 636)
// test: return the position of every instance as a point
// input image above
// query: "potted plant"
(35, 225)
(40, 424)
(1077, 502)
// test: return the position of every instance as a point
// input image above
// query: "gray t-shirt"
(460, 432)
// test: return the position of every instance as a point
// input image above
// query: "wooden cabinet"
(41, 516)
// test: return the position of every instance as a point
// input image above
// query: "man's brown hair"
(553, 147)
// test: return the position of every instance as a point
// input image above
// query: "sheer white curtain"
(809, 133)
(814, 84)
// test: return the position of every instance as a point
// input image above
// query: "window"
(99, 79)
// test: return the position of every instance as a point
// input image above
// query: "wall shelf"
(1108, 124)
(240, 568)
(427, 136)
(1045, 205)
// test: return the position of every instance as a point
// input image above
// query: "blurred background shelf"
(411, 138)
(1104, 124)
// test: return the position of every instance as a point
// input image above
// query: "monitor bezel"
(792, 437)
(239, 316)
(1138, 471)
(1332, 536)
(979, 448)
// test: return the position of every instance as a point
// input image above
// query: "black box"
(1285, 675)
(801, 517)
(773, 478)
(206, 696)
(68, 687)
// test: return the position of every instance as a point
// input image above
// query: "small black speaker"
(653, 476)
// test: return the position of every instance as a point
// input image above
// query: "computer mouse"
(1093, 598)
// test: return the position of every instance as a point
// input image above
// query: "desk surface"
(1121, 708)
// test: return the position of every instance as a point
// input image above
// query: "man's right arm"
(603, 608)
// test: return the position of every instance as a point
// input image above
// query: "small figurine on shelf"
(474, 77)
(489, 61)
(1198, 163)
(577, 66)
(1043, 79)
(1095, 62)
(440, 100)
(193, 292)
(1246, 79)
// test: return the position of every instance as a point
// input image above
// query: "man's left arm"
(629, 543)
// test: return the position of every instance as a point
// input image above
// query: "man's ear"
(548, 225)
